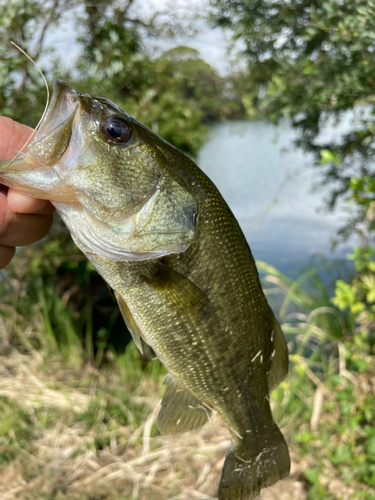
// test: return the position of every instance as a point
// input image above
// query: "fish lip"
(63, 103)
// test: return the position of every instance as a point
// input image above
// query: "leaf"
(312, 475)
(370, 445)
(328, 156)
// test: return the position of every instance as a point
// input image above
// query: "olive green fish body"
(161, 235)
(212, 327)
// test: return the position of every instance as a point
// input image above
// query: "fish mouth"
(63, 104)
(54, 135)
(39, 171)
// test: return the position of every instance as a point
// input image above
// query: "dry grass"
(60, 442)
(63, 461)
(84, 434)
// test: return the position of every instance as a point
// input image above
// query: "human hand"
(23, 219)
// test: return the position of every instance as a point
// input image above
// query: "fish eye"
(115, 129)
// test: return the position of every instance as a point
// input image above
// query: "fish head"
(113, 181)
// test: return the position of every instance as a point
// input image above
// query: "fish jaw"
(43, 184)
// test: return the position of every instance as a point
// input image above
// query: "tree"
(312, 60)
(174, 96)
(26, 22)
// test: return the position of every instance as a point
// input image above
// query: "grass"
(83, 434)
(327, 404)
(74, 427)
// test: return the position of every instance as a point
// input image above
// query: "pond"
(269, 186)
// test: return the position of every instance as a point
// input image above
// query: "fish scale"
(161, 235)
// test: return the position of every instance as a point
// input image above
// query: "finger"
(21, 229)
(6, 255)
(23, 204)
(13, 136)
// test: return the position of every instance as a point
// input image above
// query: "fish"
(158, 231)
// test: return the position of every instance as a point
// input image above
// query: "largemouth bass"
(161, 235)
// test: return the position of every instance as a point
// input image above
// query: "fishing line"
(45, 109)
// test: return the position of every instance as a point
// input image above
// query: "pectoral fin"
(180, 292)
(279, 362)
(180, 411)
(130, 322)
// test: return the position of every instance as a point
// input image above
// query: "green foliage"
(358, 296)
(27, 23)
(15, 429)
(329, 355)
(176, 94)
(313, 326)
(36, 304)
(345, 438)
(312, 61)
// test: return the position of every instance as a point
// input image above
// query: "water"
(270, 191)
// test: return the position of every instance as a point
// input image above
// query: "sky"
(209, 42)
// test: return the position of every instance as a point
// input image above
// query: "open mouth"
(37, 172)
(63, 104)
(53, 137)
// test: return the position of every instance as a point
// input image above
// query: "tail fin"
(246, 472)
